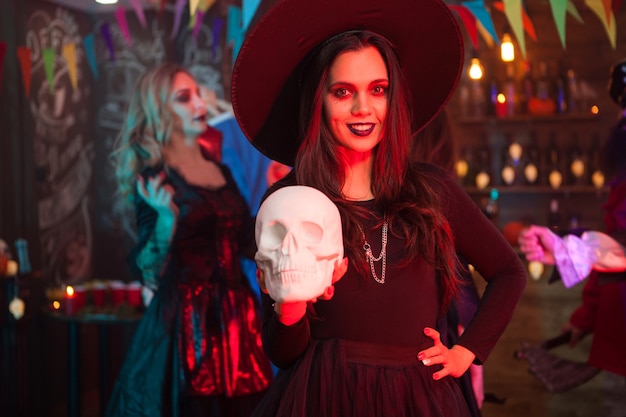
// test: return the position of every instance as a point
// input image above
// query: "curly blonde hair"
(146, 129)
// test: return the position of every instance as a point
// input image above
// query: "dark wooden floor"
(543, 309)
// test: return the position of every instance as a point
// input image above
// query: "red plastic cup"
(98, 294)
(74, 299)
(118, 292)
(133, 293)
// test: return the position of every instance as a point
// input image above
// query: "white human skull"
(299, 241)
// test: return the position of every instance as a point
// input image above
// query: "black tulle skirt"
(349, 379)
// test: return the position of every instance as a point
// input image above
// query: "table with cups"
(102, 303)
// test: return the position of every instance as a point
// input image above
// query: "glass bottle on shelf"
(532, 162)
(543, 82)
(483, 166)
(555, 173)
(527, 90)
(509, 90)
(577, 163)
(573, 92)
(596, 174)
(508, 171)
(465, 166)
(477, 98)
(554, 216)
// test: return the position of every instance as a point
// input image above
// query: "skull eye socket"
(273, 235)
(311, 232)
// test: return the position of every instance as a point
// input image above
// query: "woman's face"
(356, 99)
(187, 107)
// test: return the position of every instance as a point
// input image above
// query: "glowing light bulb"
(475, 70)
(507, 51)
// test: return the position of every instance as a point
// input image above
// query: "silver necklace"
(381, 256)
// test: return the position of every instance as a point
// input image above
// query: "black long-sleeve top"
(397, 311)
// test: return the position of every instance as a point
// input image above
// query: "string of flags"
(474, 15)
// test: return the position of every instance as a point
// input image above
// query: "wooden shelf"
(526, 118)
(529, 189)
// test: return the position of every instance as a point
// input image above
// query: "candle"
(501, 107)
(69, 299)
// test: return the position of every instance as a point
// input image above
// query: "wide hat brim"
(265, 92)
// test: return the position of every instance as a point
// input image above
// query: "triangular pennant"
(469, 21)
(3, 53)
(196, 29)
(105, 32)
(178, 16)
(120, 16)
(26, 63)
(559, 11)
(138, 7)
(216, 30)
(513, 13)
(205, 5)
(485, 35)
(235, 32)
(529, 27)
(48, 56)
(193, 6)
(598, 7)
(69, 53)
(90, 52)
(478, 9)
(573, 11)
(249, 7)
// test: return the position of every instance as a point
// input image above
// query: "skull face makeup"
(299, 240)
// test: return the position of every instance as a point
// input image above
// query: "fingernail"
(426, 361)
(420, 356)
(426, 331)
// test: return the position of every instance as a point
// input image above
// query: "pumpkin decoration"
(538, 106)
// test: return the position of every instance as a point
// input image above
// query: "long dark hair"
(405, 194)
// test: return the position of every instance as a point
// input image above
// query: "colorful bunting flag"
(205, 5)
(559, 11)
(48, 56)
(513, 13)
(69, 53)
(120, 16)
(24, 56)
(606, 16)
(235, 32)
(529, 27)
(178, 15)
(138, 7)
(199, 16)
(105, 32)
(573, 11)
(469, 21)
(249, 7)
(478, 9)
(90, 52)
(216, 30)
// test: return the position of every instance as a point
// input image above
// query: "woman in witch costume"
(339, 99)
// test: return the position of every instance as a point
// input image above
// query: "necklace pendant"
(369, 256)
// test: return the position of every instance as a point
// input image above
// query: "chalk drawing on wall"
(63, 152)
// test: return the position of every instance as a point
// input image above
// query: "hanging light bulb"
(106, 1)
(507, 51)
(476, 69)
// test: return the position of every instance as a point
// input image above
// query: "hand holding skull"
(300, 246)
